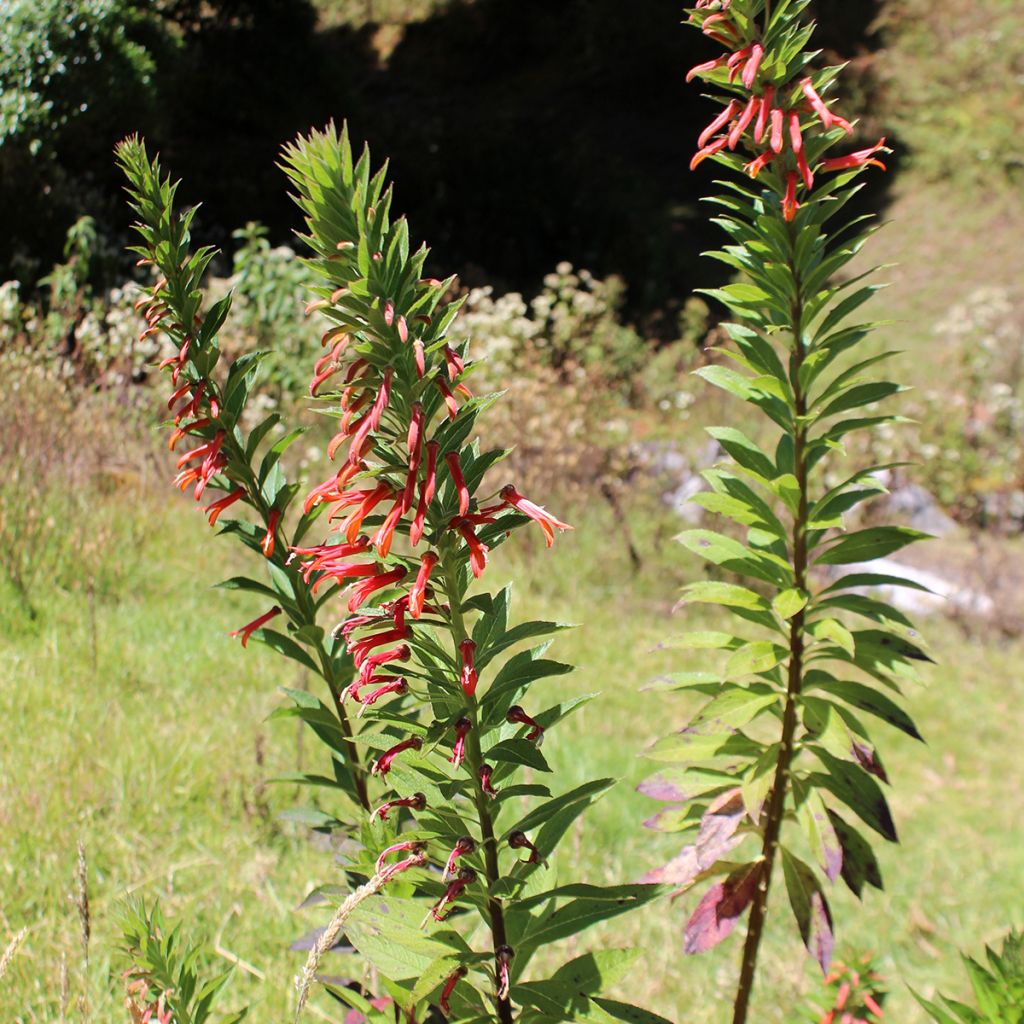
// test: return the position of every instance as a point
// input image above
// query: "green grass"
(148, 756)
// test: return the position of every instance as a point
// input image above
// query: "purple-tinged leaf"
(660, 787)
(859, 862)
(723, 904)
(680, 786)
(814, 818)
(869, 760)
(810, 908)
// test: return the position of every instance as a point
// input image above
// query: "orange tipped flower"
(548, 523)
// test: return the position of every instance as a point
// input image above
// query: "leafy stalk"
(783, 739)
(243, 464)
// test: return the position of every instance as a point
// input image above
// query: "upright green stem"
(475, 759)
(780, 782)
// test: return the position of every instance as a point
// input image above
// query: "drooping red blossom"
(270, 538)
(214, 509)
(455, 468)
(362, 591)
(517, 716)
(416, 802)
(467, 677)
(518, 841)
(417, 595)
(449, 987)
(249, 628)
(504, 955)
(484, 775)
(462, 728)
(477, 549)
(463, 848)
(383, 763)
(548, 523)
(372, 662)
(442, 908)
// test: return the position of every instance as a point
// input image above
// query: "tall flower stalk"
(783, 740)
(216, 454)
(409, 521)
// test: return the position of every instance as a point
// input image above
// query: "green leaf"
(518, 752)
(629, 1014)
(789, 602)
(755, 659)
(870, 700)
(810, 908)
(286, 646)
(724, 594)
(859, 862)
(432, 978)
(858, 790)
(867, 545)
(584, 794)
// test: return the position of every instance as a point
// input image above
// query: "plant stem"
(780, 783)
(475, 758)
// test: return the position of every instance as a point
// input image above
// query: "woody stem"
(781, 780)
(474, 760)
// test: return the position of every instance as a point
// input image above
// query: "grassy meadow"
(142, 732)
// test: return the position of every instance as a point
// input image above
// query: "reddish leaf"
(723, 904)
(868, 759)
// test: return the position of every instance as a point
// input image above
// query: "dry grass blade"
(81, 901)
(331, 933)
(9, 952)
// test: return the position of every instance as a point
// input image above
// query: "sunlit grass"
(149, 755)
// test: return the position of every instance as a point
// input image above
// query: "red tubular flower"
(753, 65)
(517, 716)
(418, 593)
(383, 763)
(517, 841)
(736, 61)
(719, 122)
(702, 69)
(414, 444)
(427, 488)
(548, 523)
(360, 649)
(416, 802)
(503, 956)
(376, 661)
(468, 678)
(463, 848)
(477, 549)
(397, 686)
(805, 169)
(777, 118)
(462, 727)
(757, 165)
(386, 534)
(743, 121)
(179, 432)
(269, 539)
(371, 499)
(828, 119)
(449, 398)
(401, 847)
(763, 114)
(455, 468)
(796, 138)
(417, 859)
(421, 360)
(701, 155)
(449, 986)
(789, 203)
(247, 630)
(861, 158)
(362, 591)
(214, 510)
(484, 773)
(467, 876)
(454, 362)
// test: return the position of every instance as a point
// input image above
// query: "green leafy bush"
(998, 989)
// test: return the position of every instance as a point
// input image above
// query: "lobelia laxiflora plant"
(430, 724)
(780, 760)
(221, 455)
(460, 894)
